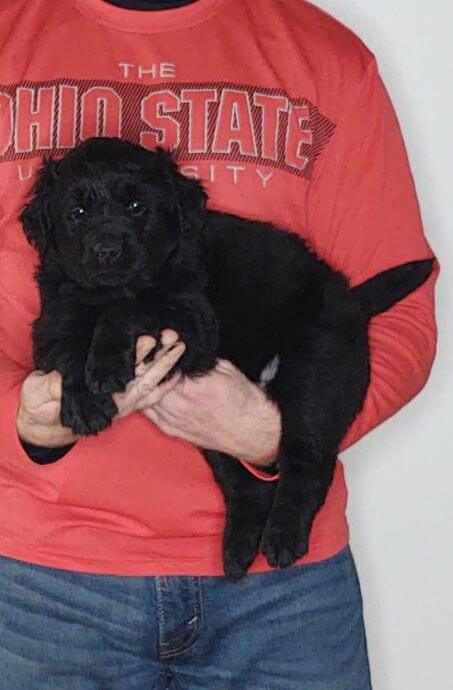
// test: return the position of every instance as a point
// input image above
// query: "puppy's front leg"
(192, 316)
(61, 338)
(81, 410)
(110, 363)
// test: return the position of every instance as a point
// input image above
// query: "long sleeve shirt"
(280, 111)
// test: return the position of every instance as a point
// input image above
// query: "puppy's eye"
(77, 213)
(136, 208)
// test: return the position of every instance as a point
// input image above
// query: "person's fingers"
(54, 382)
(225, 366)
(136, 400)
(151, 413)
(148, 376)
(159, 392)
(163, 350)
(145, 343)
(159, 420)
(169, 336)
(158, 369)
(143, 368)
(40, 388)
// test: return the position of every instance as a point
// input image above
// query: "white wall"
(400, 476)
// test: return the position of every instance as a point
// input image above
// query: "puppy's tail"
(383, 291)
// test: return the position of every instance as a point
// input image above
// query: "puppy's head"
(111, 213)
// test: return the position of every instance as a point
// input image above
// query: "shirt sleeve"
(363, 217)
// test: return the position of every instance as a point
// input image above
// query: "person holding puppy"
(113, 576)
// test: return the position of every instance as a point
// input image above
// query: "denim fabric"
(296, 629)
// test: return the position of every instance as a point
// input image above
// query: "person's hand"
(147, 382)
(222, 411)
(38, 418)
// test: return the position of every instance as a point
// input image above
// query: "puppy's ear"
(35, 216)
(190, 197)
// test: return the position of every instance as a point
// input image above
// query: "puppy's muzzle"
(107, 254)
(107, 249)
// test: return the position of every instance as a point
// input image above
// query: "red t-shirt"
(280, 111)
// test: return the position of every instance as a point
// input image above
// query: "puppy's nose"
(107, 253)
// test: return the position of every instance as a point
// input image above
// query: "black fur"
(144, 255)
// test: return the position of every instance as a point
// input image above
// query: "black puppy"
(127, 247)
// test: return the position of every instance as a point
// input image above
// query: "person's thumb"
(54, 386)
(42, 388)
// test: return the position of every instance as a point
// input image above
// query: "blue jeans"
(295, 629)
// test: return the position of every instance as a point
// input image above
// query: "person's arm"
(30, 402)
(363, 217)
(221, 410)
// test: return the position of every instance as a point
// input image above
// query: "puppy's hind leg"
(248, 502)
(305, 476)
(319, 388)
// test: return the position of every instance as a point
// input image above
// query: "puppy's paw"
(239, 551)
(85, 413)
(109, 375)
(283, 543)
(195, 361)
